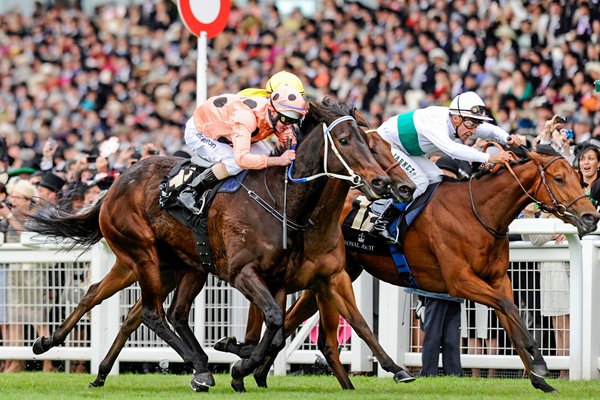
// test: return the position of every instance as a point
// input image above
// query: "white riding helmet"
(470, 105)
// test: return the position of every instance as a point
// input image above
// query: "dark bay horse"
(458, 245)
(246, 241)
(381, 152)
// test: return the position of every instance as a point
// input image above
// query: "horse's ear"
(361, 120)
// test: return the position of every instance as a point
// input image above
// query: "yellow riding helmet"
(283, 78)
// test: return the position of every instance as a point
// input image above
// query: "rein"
(556, 206)
(271, 210)
(353, 178)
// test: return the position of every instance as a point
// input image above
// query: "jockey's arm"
(247, 160)
(240, 139)
(492, 132)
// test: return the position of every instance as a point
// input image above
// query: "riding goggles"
(471, 123)
(285, 120)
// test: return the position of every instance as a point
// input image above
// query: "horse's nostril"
(378, 183)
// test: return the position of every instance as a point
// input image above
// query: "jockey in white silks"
(416, 135)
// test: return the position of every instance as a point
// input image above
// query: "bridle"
(352, 177)
(556, 207)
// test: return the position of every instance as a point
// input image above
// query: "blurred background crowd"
(128, 71)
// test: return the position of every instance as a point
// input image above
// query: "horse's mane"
(325, 110)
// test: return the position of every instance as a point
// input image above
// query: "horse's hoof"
(97, 383)
(236, 372)
(403, 376)
(202, 380)
(38, 346)
(224, 343)
(199, 388)
(540, 383)
(540, 370)
(238, 385)
(260, 379)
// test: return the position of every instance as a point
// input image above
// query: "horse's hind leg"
(137, 247)
(252, 285)
(118, 277)
(131, 323)
(188, 287)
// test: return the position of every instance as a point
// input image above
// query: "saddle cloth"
(357, 225)
(180, 175)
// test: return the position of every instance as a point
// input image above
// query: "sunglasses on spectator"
(471, 123)
(284, 119)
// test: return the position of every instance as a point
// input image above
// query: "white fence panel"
(220, 311)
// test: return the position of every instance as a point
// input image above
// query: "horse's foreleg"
(253, 329)
(118, 277)
(188, 287)
(252, 285)
(499, 296)
(302, 309)
(328, 341)
(340, 291)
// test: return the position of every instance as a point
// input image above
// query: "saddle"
(359, 221)
(176, 180)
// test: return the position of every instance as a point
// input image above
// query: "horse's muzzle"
(589, 223)
(380, 185)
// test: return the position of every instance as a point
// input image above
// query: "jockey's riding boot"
(188, 196)
(204, 181)
(381, 225)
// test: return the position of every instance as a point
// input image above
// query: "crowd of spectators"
(71, 84)
(129, 71)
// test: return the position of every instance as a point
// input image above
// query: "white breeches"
(419, 168)
(211, 151)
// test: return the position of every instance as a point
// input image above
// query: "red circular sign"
(212, 28)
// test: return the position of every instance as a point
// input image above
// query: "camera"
(569, 133)
(561, 120)
(5, 203)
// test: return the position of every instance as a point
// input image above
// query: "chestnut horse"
(246, 242)
(459, 245)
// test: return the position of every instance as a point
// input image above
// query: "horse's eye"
(344, 142)
(373, 152)
(559, 179)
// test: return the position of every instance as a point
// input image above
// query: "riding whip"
(285, 185)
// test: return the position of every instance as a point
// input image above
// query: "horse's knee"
(274, 318)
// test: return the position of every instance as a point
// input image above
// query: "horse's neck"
(329, 208)
(499, 199)
(304, 197)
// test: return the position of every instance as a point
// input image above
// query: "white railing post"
(590, 328)
(394, 323)
(105, 321)
(360, 353)
(576, 307)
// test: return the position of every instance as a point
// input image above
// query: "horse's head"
(559, 192)
(346, 150)
(402, 187)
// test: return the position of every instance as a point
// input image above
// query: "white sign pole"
(201, 70)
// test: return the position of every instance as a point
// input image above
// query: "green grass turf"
(60, 386)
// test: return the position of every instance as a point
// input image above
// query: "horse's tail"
(82, 228)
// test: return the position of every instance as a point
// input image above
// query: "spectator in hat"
(50, 187)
